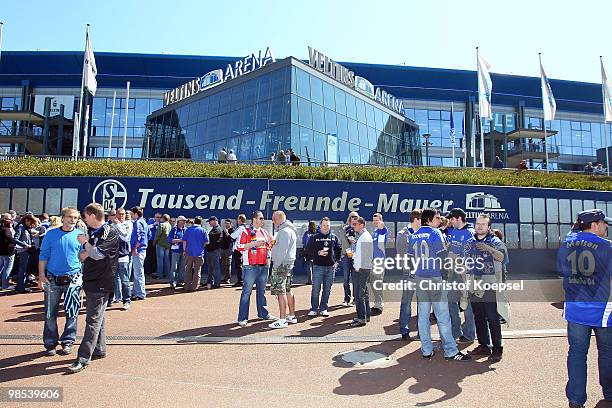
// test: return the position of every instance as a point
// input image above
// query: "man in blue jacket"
(585, 260)
(140, 237)
(379, 236)
(59, 272)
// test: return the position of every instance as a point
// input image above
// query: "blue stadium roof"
(161, 71)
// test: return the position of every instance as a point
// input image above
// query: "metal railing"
(532, 148)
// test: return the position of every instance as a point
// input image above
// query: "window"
(318, 121)
(320, 146)
(361, 114)
(328, 96)
(370, 115)
(316, 90)
(244, 152)
(264, 88)
(340, 100)
(331, 126)
(351, 110)
(306, 143)
(342, 127)
(343, 151)
(303, 83)
(353, 135)
(305, 112)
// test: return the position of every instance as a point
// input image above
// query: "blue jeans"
(579, 338)
(360, 292)
(347, 266)
(6, 266)
(213, 259)
(123, 291)
(53, 295)
(258, 275)
(406, 307)
(138, 270)
(437, 299)
(24, 259)
(163, 261)
(177, 267)
(321, 275)
(468, 328)
(308, 270)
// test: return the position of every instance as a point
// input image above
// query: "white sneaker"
(352, 302)
(242, 323)
(279, 324)
(345, 304)
(312, 313)
(324, 313)
(291, 319)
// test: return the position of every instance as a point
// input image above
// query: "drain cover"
(364, 358)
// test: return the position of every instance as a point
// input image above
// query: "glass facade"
(291, 106)
(138, 110)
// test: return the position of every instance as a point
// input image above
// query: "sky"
(442, 34)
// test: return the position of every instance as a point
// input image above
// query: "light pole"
(427, 143)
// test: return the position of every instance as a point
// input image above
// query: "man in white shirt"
(236, 254)
(363, 253)
(122, 276)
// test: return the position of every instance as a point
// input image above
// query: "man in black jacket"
(99, 258)
(325, 250)
(213, 253)
(226, 251)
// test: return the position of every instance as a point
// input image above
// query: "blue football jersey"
(487, 266)
(425, 244)
(459, 240)
(585, 262)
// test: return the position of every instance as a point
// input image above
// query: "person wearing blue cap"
(585, 261)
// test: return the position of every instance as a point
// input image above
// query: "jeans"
(468, 328)
(237, 265)
(437, 299)
(213, 259)
(226, 263)
(308, 270)
(52, 297)
(579, 338)
(163, 261)
(193, 272)
(123, 291)
(488, 328)
(376, 280)
(177, 267)
(139, 278)
(258, 275)
(406, 307)
(94, 338)
(347, 267)
(22, 272)
(6, 266)
(360, 292)
(321, 275)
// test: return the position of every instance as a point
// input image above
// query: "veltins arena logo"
(480, 202)
(110, 194)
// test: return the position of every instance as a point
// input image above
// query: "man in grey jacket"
(283, 258)
(362, 261)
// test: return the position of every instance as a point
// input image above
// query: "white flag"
(89, 68)
(485, 88)
(607, 97)
(548, 100)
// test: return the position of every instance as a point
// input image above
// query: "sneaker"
(406, 337)
(496, 354)
(376, 311)
(429, 357)
(98, 356)
(324, 313)
(458, 357)
(481, 351)
(291, 319)
(345, 304)
(242, 323)
(312, 313)
(76, 367)
(463, 339)
(173, 285)
(352, 302)
(127, 305)
(237, 284)
(279, 324)
(572, 405)
(357, 323)
(51, 352)
(268, 317)
(66, 349)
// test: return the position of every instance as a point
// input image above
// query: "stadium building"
(192, 106)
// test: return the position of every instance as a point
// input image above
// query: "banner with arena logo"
(300, 199)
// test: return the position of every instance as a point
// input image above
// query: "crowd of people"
(283, 157)
(597, 170)
(107, 259)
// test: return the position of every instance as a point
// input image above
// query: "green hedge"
(108, 168)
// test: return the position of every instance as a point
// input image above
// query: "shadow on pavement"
(437, 374)
(12, 371)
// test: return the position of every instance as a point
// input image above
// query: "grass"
(160, 169)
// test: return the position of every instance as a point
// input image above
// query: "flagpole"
(605, 122)
(481, 123)
(1, 26)
(127, 104)
(110, 137)
(543, 116)
(76, 135)
(452, 135)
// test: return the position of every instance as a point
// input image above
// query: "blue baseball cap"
(589, 216)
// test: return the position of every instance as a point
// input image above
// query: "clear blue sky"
(426, 33)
